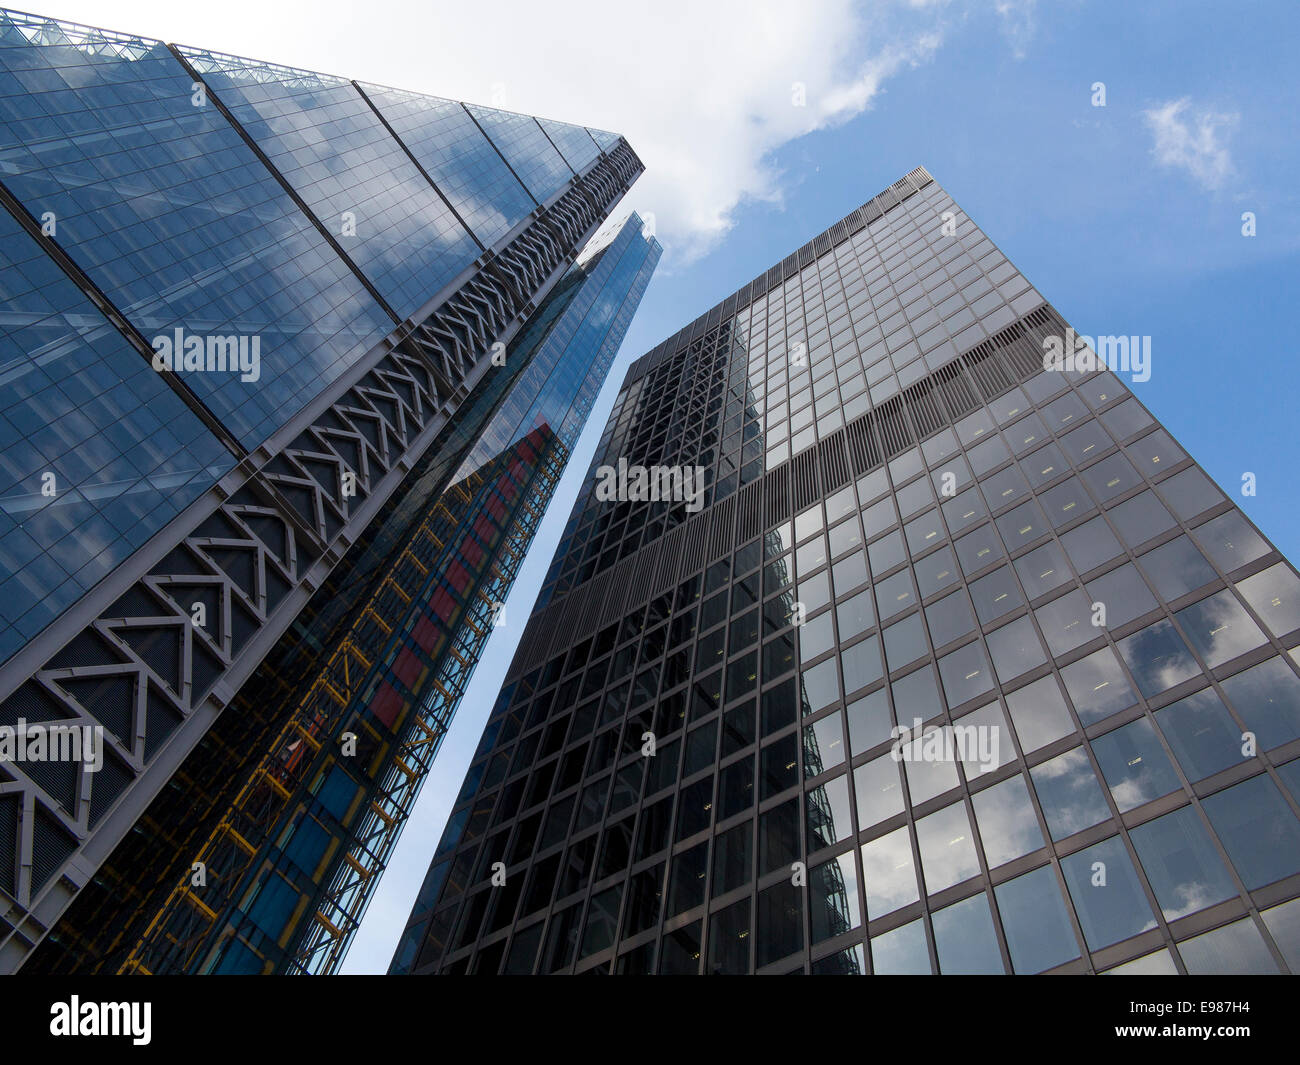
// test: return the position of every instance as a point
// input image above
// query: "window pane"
(1068, 791)
(1039, 714)
(901, 951)
(947, 848)
(1257, 829)
(1202, 735)
(1015, 649)
(965, 674)
(1007, 824)
(1275, 595)
(780, 922)
(1176, 568)
(828, 818)
(1219, 628)
(879, 790)
(1134, 764)
(1267, 697)
(1234, 949)
(1157, 658)
(1097, 686)
(1107, 894)
(1182, 866)
(833, 896)
(729, 939)
(1036, 923)
(964, 938)
(1229, 541)
(888, 873)
(870, 721)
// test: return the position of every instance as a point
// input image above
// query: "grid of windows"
(1131, 798)
(328, 144)
(877, 313)
(175, 218)
(526, 148)
(96, 452)
(454, 151)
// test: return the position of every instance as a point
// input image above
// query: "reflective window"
(995, 594)
(1274, 594)
(1091, 544)
(901, 951)
(1257, 829)
(1140, 518)
(879, 790)
(870, 721)
(828, 817)
(1107, 895)
(1201, 734)
(964, 937)
(833, 898)
(1067, 622)
(1036, 922)
(1097, 686)
(1182, 866)
(935, 572)
(1039, 714)
(1123, 594)
(1229, 541)
(1068, 791)
(949, 618)
(1157, 658)
(1042, 570)
(888, 873)
(1134, 764)
(1219, 628)
(905, 642)
(1007, 823)
(947, 848)
(1176, 568)
(1267, 698)
(1015, 649)
(965, 674)
(1234, 949)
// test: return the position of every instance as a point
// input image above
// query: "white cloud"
(704, 92)
(1193, 139)
(1018, 24)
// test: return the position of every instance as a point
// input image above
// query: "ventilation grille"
(720, 541)
(749, 520)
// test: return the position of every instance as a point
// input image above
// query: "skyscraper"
(292, 365)
(965, 666)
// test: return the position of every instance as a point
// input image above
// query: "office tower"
(292, 365)
(914, 517)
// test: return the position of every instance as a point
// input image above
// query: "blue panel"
(167, 209)
(78, 402)
(569, 353)
(459, 158)
(521, 140)
(607, 141)
(327, 142)
(574, 142)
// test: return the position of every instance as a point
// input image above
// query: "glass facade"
(264, 475)
(965, 666)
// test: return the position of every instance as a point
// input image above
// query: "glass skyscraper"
(965, 666)
(291, 365)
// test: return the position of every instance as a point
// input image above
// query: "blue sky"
(1126, 217)
(1120, 238)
